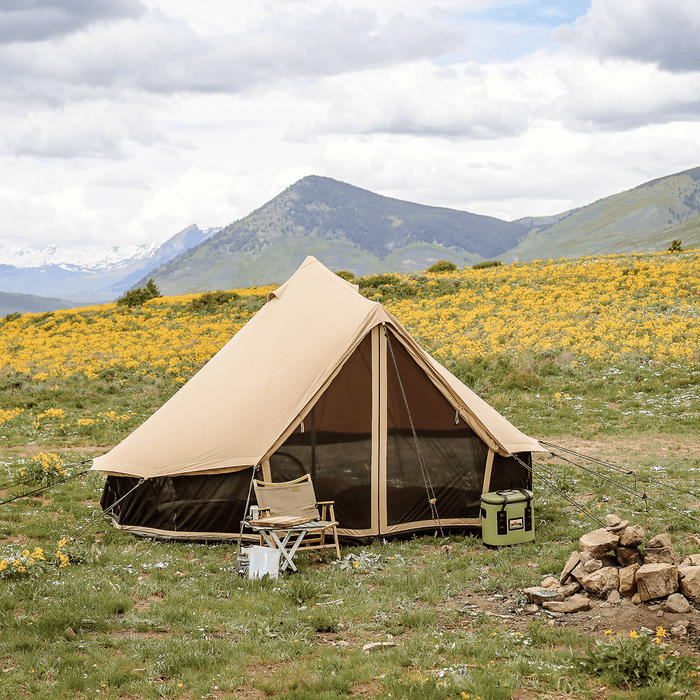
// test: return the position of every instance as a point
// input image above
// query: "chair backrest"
(294, 498)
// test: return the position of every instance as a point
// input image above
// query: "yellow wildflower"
(633, 634)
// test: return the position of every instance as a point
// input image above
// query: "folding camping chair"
(297, 499)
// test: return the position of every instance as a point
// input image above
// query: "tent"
(315, 383)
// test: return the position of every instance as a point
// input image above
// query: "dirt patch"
(511, 611)
(367, 690)
(620, 450)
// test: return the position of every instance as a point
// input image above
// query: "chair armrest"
(325, 503)
(264, 512)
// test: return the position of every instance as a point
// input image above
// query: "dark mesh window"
(199, 503)
(336, 445)
(509, 473)
(454, 455)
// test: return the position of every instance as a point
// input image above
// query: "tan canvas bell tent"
(320, 381)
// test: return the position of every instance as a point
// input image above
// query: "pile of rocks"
(610, 564)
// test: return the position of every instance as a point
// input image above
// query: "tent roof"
(231, 413)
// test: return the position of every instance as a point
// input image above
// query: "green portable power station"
(507, 517)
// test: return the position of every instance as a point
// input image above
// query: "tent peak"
(311, 264)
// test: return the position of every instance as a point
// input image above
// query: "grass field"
(599, 355)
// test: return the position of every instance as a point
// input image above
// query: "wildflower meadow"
(599, 354)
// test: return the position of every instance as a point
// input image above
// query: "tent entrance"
(358, 446)
(334, 444)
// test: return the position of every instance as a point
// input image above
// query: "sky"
(124, 121)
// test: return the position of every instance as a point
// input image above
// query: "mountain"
(86, 276)
(644, 219)
(352, 229)
(28, 303)
(345, 227)
(349, 228)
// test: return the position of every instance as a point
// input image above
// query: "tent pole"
(313, 443)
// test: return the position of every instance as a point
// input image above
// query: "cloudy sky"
(123, 121)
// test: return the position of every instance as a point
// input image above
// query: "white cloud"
(85, 130)
(165, 55)
(664, 32)
(124, 125)
(39, 20)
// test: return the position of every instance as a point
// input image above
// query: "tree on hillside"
(136, 297)
(676, 246)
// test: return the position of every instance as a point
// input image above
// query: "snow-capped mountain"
(85, 275)
(75, 257)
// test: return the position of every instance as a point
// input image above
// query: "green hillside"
(644, 219)
(28, 303)
(349, 228)
(343, 226)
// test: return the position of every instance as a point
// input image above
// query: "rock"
(593, 565)
(662, 540)
(628, 582)
(677, 603)
(659, 555)
(569, 589)
(578, 573)
(598, 543)
(695, 539)
(679, 630)
(635, 599)
(585, 556)
(539, 595)
(549, 582)
(69, 632)
(615, 523)
(632, 536)
(656, 581)
(690, 582)
(570, 565)
(601, 581)
(532, 608)
(626, 556)
(692, 560)
(614, 597)
(376, 645)
(574, 604)
(612, 519)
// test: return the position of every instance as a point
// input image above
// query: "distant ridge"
(344, 226)
(348, 228)
(353, 229)
(28, 303)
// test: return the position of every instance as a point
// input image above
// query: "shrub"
(487, 263)
(675, 246)
(380, 280)
(346, 275)
(442, 266)
(210, 301)
(136, 297)
(13, 316)
(636, 661)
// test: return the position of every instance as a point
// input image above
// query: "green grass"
(134, 618)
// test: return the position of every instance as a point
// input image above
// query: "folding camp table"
(292, 526)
